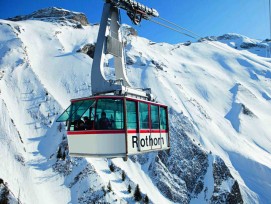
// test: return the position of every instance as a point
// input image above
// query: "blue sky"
(204, 17)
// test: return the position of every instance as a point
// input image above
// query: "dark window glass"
(131, 114)
(163, 118)
(83, 108)
(74, 114)
(88, 118)
(109, 114)
(65, 115)
(75, 110)
(144, 115)
(154, 117)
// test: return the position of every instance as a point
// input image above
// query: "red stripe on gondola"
(132, 131)
(147, 131)
(155, 131)
(117, 97)
(96, 97)
(97, 132)
(92, 132)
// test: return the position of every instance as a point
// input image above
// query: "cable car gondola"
(117, 120)
(115, 126)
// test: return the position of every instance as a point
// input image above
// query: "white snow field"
(221, 87)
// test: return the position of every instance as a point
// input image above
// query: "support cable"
(169, 27)
(180, 32)
(179, 27)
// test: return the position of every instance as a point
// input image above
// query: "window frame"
(141, 122)
(122, 121)
(158, 117)
(136, 115)
(165, 117)
(71, 113)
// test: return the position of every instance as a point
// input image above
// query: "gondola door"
(156, 140)
(144, 127)
(132, 127)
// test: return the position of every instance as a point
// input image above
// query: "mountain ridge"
(55, 15)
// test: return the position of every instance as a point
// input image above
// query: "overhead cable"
(179, 27)
(169, 27)
(183, 33)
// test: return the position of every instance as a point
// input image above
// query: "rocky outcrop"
(6, 196)
(88, 49)
(180, 174)
(238, 41)
(54, 14)
(222, 178)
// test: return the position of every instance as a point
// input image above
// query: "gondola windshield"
(76, 110)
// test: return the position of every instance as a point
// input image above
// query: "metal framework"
(109, 41)
(135, 10)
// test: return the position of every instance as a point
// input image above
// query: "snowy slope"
(219, 96)
(226, 94)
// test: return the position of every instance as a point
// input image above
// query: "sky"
(203, 17)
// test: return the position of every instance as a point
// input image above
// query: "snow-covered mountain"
(218, 91)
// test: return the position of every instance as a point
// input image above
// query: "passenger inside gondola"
(104, 122)
(87, 123)
(78, 124)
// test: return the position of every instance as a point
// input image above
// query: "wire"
(208, 42)
(179, 27)
(177, 30)
(171, 28)
(192, 34)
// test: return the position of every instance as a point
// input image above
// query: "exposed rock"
(187, 43)
(159, 65)
(220, 172)
(88, 49)
(6, 196)
(267, 40)
(130, 60)
(208, 38)
(179, 174)
(228, 37)
(239, 41)
(222, 177)
(54, 14)
(128, 30)
(235, 194)
(2, 74)
(127, 33)
(246, 111)
(169, 184)
(245, 45)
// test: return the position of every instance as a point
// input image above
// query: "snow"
(135, 173)
(206, 89)
(212, 84)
